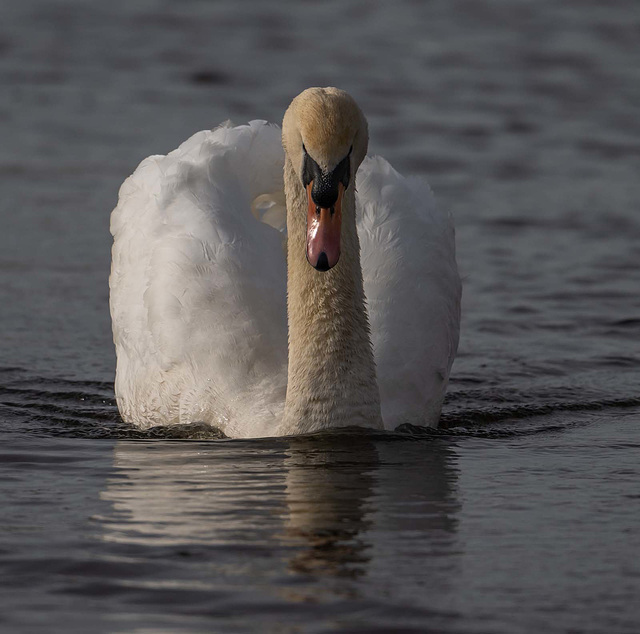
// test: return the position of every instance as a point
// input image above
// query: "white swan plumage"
(198, 285)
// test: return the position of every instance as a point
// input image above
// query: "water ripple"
(87, 409)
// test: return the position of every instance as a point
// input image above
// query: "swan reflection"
(329, 488)
(182, 493)
(336, 505)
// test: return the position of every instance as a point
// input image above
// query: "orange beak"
(323, 232)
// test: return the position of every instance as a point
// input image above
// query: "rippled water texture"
(520, 515)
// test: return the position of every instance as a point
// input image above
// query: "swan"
(276, 282)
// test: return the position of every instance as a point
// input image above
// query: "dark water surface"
(521, 515)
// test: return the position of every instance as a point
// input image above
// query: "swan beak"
(323, 232)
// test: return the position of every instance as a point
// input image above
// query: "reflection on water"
(190, 493)
(342, 507)
(415, 532)
(342, 532)
(329, 490)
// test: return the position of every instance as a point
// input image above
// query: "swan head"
(325, 136)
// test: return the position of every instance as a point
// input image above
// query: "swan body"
(219, 312)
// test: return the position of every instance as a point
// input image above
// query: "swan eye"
(343, 170)
(309, 168)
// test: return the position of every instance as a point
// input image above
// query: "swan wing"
(198, 284)
(413, 291)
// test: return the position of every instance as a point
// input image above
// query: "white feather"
(413, 291)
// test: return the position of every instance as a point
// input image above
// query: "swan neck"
(331, 370)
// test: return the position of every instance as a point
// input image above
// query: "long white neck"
(332, 379)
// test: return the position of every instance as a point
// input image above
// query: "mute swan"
(200, 289)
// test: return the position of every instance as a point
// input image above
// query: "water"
(520, 515)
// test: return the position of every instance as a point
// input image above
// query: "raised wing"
(413, 291)
(198, 286)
